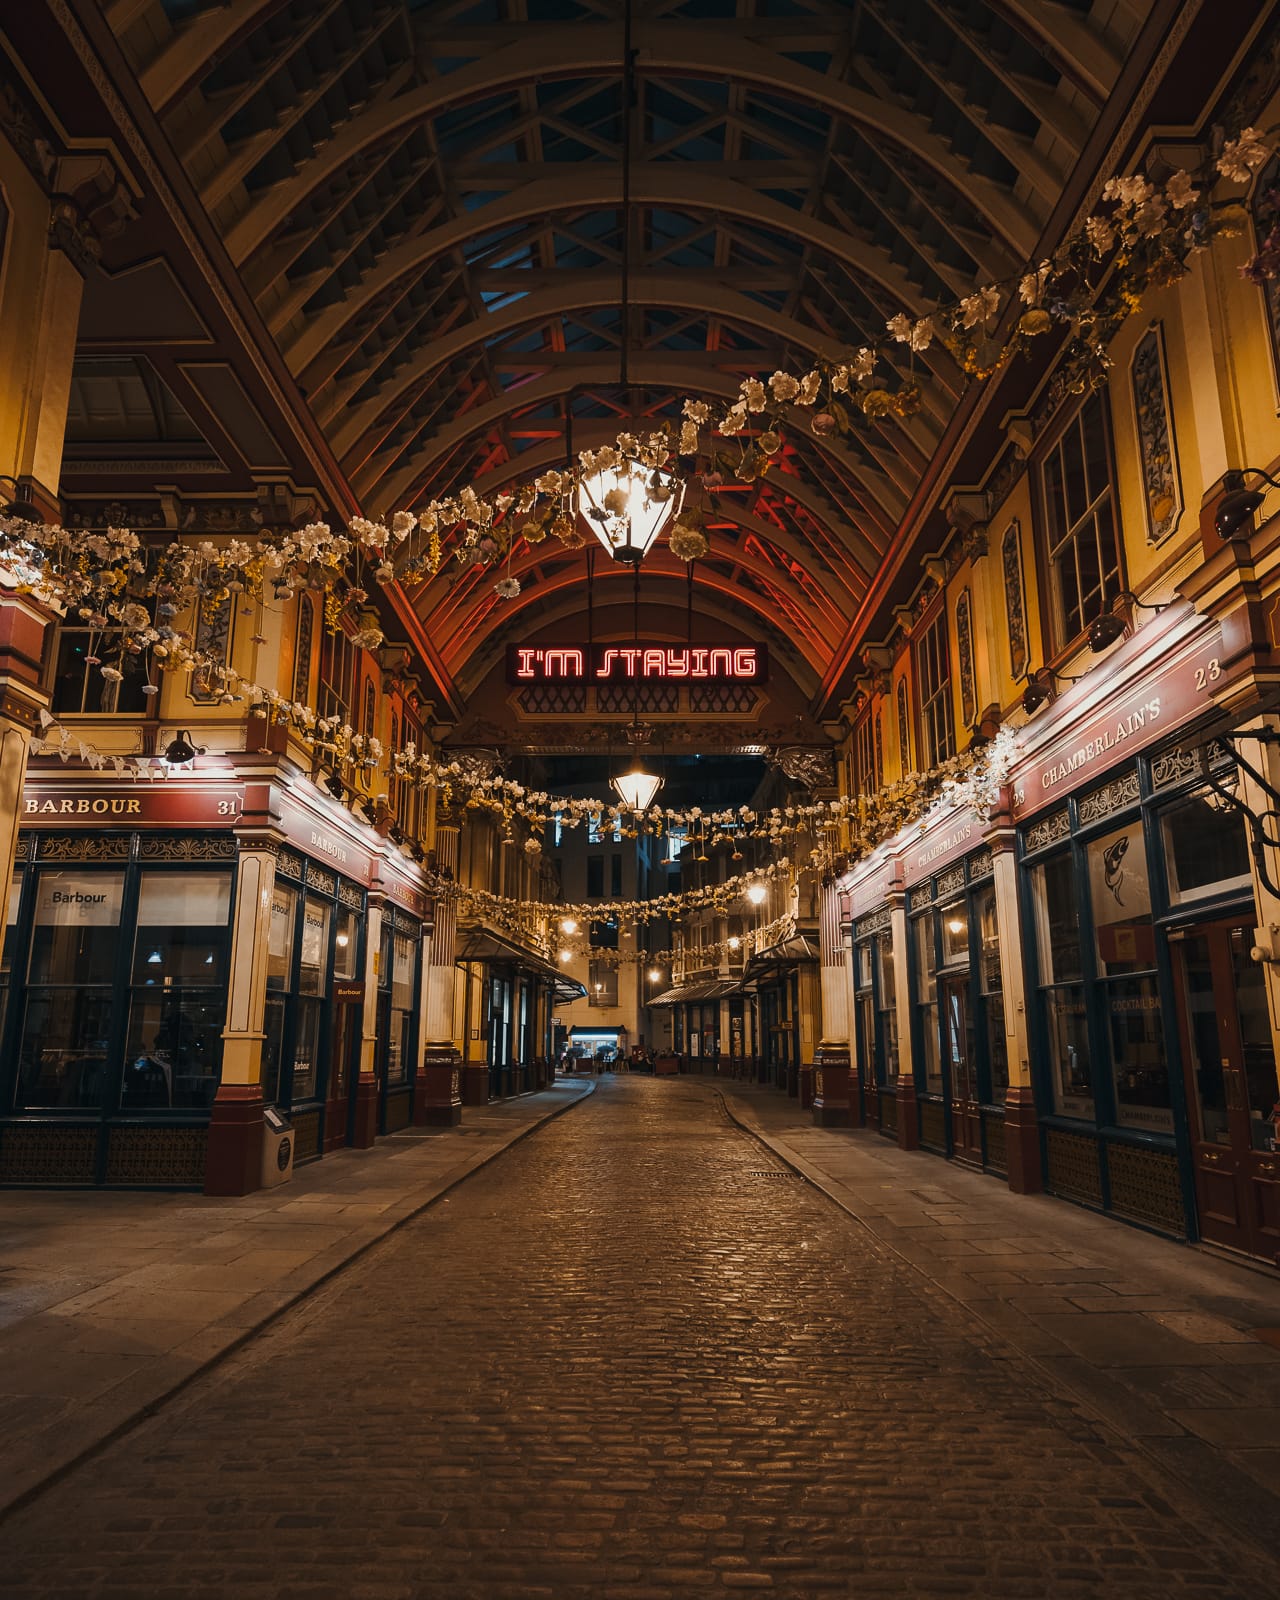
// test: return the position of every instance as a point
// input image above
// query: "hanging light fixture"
(636, 788)
(628, 506)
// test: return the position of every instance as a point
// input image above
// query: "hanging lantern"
(627, 506)
(637, 788)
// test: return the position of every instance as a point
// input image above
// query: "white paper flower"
(508, 588)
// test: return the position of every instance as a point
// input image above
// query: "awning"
(483, 944)
(796, 951)
(563, 990)
(710, 989)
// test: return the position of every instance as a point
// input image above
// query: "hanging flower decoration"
(1140, 239)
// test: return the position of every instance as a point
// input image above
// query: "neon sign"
(605, 663)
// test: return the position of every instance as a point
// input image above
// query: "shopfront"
(1152, 1049)
(310, 1050)
(1157, 1074)
(116, 970)
(399, 983)
(958, 1024)
(115, 986)
(874, 1033)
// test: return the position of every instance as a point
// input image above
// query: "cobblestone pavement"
(634, 1358)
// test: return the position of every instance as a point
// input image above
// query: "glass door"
(962, 1082)
(1231, 1087)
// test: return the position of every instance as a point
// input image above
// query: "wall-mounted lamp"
(1109, 626)
(181, 752)
(1041, 687)
(1238, 503)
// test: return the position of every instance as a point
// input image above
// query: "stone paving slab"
(637, 1359)
(1160, 1339)
(111, 1301)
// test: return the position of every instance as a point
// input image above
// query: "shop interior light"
(735, 943)
(566, 955)
(955, 925)
(154, 959)
(655, 974)
(569, 925)
(1238, 503)
(756, 893)
(344, 939)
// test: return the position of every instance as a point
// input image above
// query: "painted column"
(22, 625)
(365, 1125)
(833, 1076)
(440, 1102)
(1021, 1124)
(1265, 760)
(908, 1108)
(233, 1162)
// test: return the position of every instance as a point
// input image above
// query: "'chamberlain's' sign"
(602, 663)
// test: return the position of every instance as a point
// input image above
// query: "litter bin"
(277, 1149)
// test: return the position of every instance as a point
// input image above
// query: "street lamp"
(756, 893)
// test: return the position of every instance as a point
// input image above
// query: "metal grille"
(653, 698)
(306, 1137)
(1145, 1185)
(48, 1155)
(1072, 1167)
(553, 699)
(165, 1157)
(723, 699)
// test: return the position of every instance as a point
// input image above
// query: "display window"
(398, 986)
(120, 1003)
(1132, 860)
(314, 939)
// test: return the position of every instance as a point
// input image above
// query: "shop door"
(962, 1086)
(1231, 1087)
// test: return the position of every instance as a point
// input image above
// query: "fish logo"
(1112, 866)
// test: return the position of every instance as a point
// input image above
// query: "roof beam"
(555, 50)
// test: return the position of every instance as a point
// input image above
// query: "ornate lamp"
(628, 506)
(636, 788)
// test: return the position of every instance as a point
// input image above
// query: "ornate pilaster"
(832, 1078)
(908, 1107)
(1021, 1122)
(234, 1160)
(365, 1121)
(439, 1103)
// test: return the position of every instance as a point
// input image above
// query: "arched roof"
(453, 224)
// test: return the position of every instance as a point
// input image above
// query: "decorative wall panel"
(1157, 451)
(1015, 607)
(889, 1113)
(993, 1130)
(933, 1124)
(964, 650)
(399, 1109)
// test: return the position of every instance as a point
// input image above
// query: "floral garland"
(970, 779)
(1086, 289)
